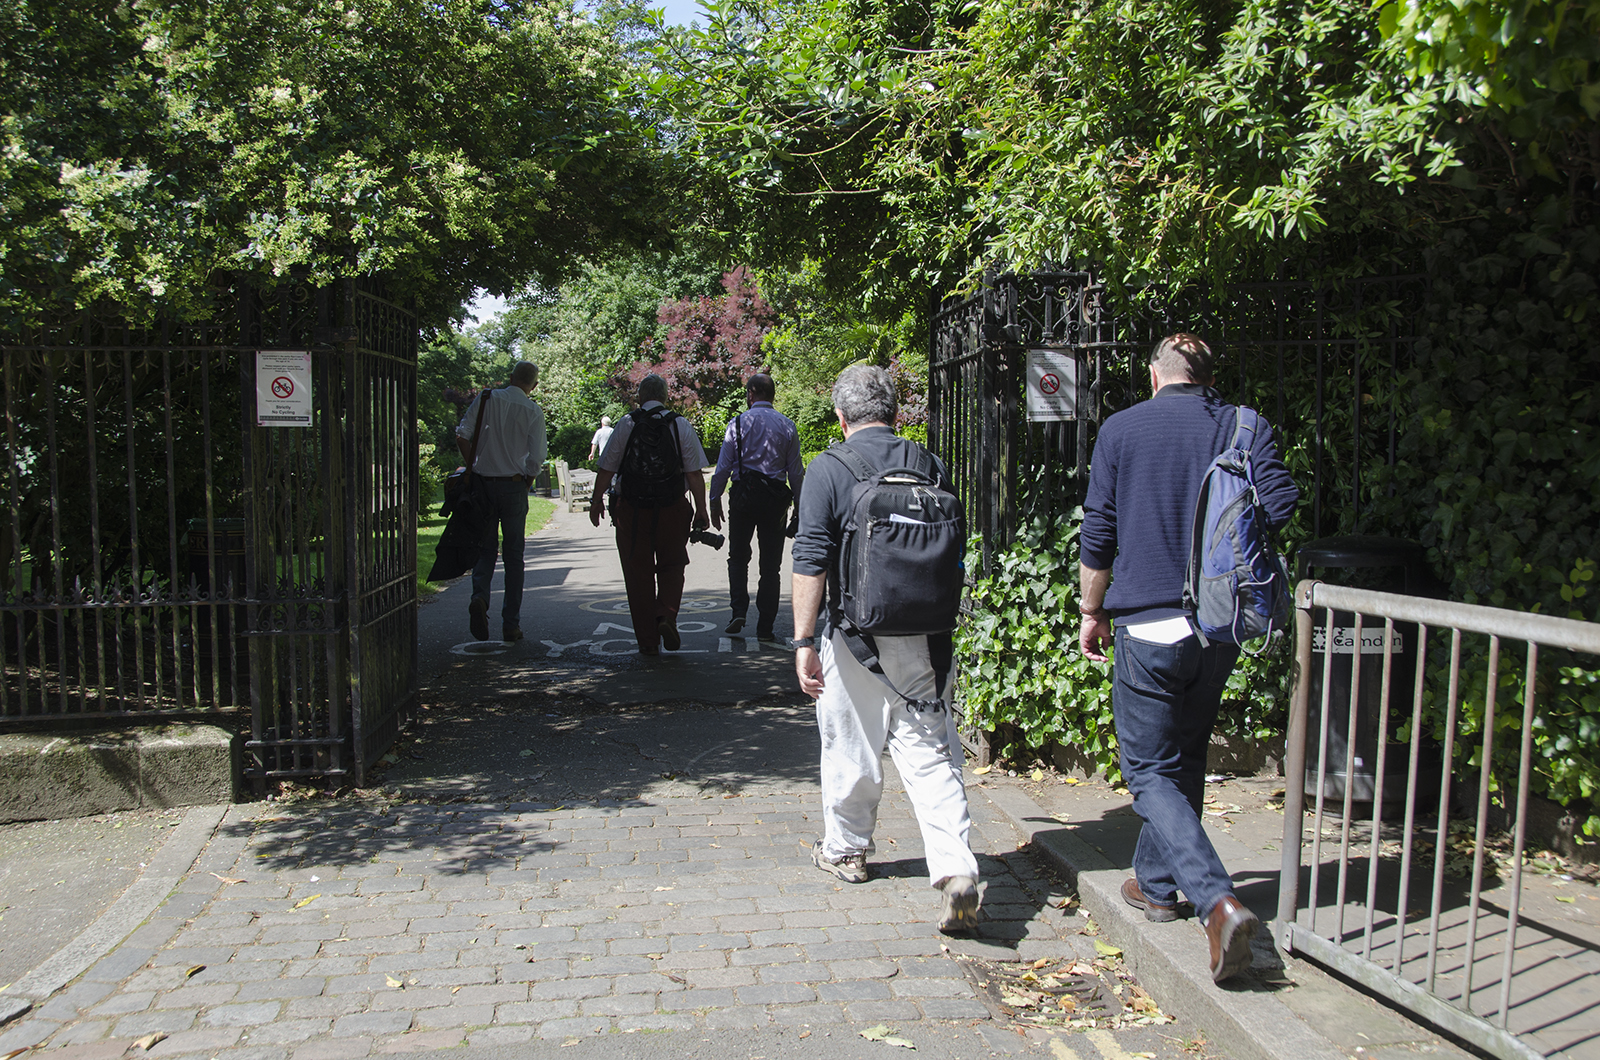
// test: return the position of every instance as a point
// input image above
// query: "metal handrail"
(1424, 998)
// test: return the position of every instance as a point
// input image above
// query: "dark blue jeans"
(509, 516)
(1165, 702)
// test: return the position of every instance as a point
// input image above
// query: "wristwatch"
(805, 642)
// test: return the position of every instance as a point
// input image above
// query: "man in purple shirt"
(760, 450)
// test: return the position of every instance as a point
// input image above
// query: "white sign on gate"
(283, 388)
(1052, 386)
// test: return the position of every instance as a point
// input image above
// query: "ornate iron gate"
(166, 558)
(1323, 364)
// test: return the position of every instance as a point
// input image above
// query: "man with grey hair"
(654, 456)
(858, 711)
(1149, 461)
(510, 450)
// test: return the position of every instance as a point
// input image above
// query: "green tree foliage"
(153, 152)
(1168, 142)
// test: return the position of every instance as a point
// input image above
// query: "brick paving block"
(339, 1049)
(209, 1040)
(373, 885)
(787, 937)
(283, 951)
(494, 1036)
(397, 963)
(329, 1007)
(168, 1021)
(574, 989)
(863, 968)
(411, 998)
(359, 1024)
(719, 977)
(625, 1005)
(649, 943)
(953, 1008)
(577, 1026)
(737, 1018)
(688, 959)
(198, 995)
(111, 1050)
(535, 1011)
(794, 972)
(814, 918)
(459, 1016)
(454, 976)
(842, 951)
(854, 990)
(241, 1015)
(229, 937)
(910, 947)
(755, 958)
(807, 1015)
(119, 1004)
(188, 956)
(430, 924)
(322, 967)
(537, 971)
(661, 1021)
(775, 994)
(288, 1032)
(921, 988)
(363, 983)
(82, 1033)
(696, 1000)
(882, 1011)
(987, 949)
(649, 983)
(929, 968)
(535, 936)
(611, 929)
(707, 942)
(420, 1041)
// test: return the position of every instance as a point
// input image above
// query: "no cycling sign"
(1052, 385)
(283, 388)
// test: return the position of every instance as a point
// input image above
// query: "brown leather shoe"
(1155, 912)
(1229, 929)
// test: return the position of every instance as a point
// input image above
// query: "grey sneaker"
(960, 912)
(852, 868)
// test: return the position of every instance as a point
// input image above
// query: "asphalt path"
(578, 633)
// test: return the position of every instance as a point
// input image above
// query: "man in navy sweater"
(1137, 527)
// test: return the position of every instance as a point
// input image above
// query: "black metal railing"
(1324, 364)
(166, 557)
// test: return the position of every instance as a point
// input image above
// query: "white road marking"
(557, 649)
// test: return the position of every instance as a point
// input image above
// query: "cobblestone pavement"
(341, 929)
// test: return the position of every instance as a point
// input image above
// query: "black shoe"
(735, 626)
(669, 634)
(478, 617)
(511, 633)
(767, 635)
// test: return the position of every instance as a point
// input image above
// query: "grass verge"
(431, 526)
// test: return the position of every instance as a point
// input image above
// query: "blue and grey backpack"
(1237, 586)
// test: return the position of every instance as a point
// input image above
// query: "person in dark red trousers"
(654, 457)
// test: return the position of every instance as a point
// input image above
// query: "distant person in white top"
(511, 450)
(597, 444)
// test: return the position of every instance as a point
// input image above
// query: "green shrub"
(571, 444)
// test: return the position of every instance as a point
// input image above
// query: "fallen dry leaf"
(227, 879)
(149, 1041)
(883, 1034)
(981, 770)
(393, 983)
(192, 972)
(306, 901)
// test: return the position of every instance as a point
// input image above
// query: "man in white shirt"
(597, 444)
(510, 452)
(658, 456)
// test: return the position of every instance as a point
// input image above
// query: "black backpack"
(652, 463)
(900, 561)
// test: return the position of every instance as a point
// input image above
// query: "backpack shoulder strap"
(853, 461)
(1246, 424)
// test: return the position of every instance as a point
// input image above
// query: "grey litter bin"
(1381, 564)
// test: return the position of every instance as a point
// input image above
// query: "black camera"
(706, 537)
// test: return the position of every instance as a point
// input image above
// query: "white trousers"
(857, 714)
